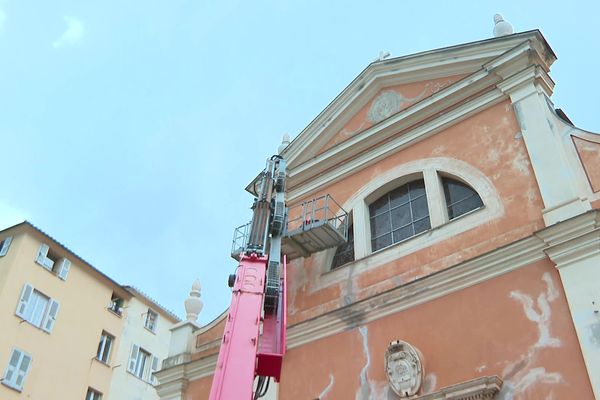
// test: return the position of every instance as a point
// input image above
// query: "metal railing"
(301, 218)
(316, 212)
(240, 239)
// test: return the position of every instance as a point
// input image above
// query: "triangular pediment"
(387, 102)
(409, 89)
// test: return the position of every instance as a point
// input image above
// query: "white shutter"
(24, 300)
(5, 245)
(63, 270)
(50, 319)
(42, 257)
(135, 349)
(23, 370)
(153, 379)
(13, 364)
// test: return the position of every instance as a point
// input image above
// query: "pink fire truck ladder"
(254, 341)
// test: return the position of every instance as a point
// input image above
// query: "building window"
(344, 253)
(104, 347)
(142, 364)
(37, 308)
(4, 245)
(460, 198)
(151, 320)
(116, 304)
(399, 214)
(93, 395)
(50, 260)
(17, 369)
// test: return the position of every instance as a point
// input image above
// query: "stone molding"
(484, 88)
(484, 388)
(463, 275)
(573, 240)
(466, 58)
(176, 360)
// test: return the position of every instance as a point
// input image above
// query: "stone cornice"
(483, 388)
(472, 272)
(573, 240)
(465, 58)
(480, 90)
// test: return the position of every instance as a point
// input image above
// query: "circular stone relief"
(385, 105)
(404, 368)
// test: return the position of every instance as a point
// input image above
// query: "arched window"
(344, 253)
(460, 198)
(399, 214)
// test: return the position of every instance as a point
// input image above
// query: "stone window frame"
(431, 170)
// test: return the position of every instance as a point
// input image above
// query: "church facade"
(472, 268)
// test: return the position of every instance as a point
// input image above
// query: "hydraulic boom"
(258, 299)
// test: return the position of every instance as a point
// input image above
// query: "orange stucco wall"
(517, 326)
(486, 141)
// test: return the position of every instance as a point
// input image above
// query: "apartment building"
(68, 330)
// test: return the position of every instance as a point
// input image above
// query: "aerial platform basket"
(312, 226)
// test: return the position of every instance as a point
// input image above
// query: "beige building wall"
(126, 385)
(63, 363)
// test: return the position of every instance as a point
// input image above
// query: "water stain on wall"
(520, 375)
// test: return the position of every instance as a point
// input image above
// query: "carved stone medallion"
(404, 368)
(385, 105)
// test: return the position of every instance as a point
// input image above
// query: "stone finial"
(285, 142)
(382, 56)
(502, 27)
(193, 304)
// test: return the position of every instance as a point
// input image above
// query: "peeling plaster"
(595, 333)
(297, 271)
(364, 390)
(370, 390)
(519, 135)
(519, 375)
(429, 383)
(323, 394)
(521, 162)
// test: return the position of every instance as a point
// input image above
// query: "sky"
(128, 130)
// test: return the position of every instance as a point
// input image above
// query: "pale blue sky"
(128, 130)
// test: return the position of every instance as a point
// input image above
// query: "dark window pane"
(456, 191)
(379, 206)
(464, 206)
(399, 196)
(400, 216)
(381, 242)
(419, 208)
(403, 233)
(460, 198)
(422, 225)
(380, 224)
(344, 253)
(417, 188)
(397, 211)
